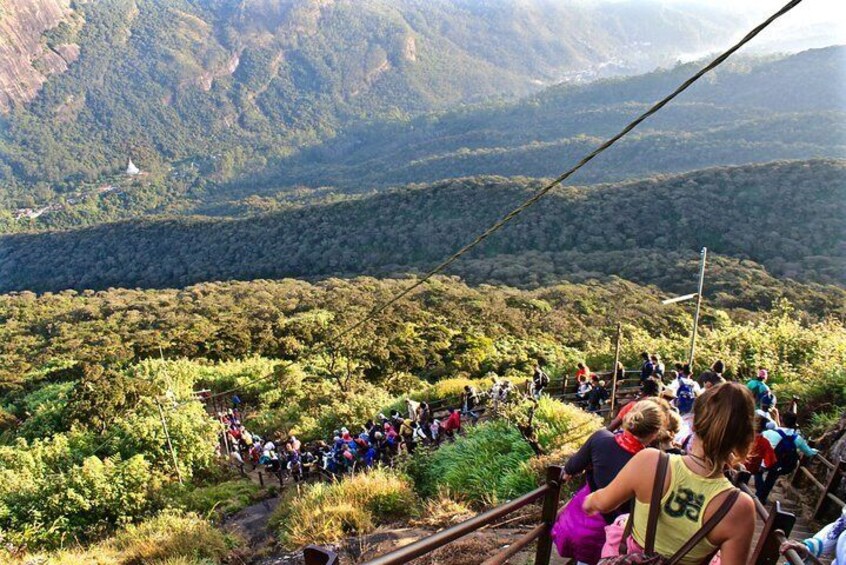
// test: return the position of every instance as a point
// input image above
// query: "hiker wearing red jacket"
(452, 423)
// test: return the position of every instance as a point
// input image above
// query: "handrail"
(516, 547)
(440, 539)
(824, 461)
(827, 487)
(549, 493)
(777, 524)
(812, 478)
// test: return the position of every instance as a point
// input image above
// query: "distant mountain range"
(748, 111)
(776, 220)
(92, 82)
(752, 110)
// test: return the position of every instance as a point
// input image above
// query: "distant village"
(32, 213)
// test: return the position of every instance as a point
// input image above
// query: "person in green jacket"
(758, 387)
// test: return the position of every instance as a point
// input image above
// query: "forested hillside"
(243, 83)
(190, 348)
(753, 110)
(748, 111)
(82, 448)
(787, 217)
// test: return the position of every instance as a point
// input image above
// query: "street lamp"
(698, 296)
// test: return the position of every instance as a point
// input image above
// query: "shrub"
(227, 497)
(478, 465)
(46, 496)
(171, 538)
(172, 535)
(561, 425)
(493, 462)
(326, 512)
(45, 408)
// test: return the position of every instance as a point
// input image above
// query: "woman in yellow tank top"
(694, 486)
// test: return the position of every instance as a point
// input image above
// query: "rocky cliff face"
(26, 58)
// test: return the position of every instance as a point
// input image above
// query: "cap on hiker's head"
(762, 374)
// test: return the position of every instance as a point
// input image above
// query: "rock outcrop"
(26, 59)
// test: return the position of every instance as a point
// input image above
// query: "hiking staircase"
(793, 514)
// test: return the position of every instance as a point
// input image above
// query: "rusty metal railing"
(549, 494)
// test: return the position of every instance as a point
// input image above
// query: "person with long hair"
(601, 458)
(693, 486)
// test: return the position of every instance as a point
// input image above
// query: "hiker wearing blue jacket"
(787, 443)
(828, 542)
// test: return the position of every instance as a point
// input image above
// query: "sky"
(813, 23)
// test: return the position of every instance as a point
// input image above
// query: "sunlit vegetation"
(326, 513)
(84, 456)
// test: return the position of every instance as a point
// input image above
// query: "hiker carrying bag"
(685, 397)
(648, 555)
(787, 459)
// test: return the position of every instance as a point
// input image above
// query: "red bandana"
(628, 442)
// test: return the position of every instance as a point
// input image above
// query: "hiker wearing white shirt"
(685, 390)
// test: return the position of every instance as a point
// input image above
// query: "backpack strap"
(654, 508)
(706, 528)
(655, 502)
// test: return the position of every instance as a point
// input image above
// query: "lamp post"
(698, 296)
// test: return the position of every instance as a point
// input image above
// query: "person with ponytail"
(601, 458)
(693, 487)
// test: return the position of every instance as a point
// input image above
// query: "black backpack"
(786, 456)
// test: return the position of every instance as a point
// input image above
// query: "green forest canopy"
(786, 217)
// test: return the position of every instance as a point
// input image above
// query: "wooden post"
(797, 479)
(614, 368)
(224, 431)
(767, 550)
(261, 479)
(549, 514)
(825, 504)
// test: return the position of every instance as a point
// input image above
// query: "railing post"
(767, 550)
(833, 483)
(315, 555)
(549, 514)
(796, 479)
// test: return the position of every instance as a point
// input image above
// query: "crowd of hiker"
(376, 441)
(688, 433)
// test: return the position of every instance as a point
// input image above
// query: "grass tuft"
(325, 513)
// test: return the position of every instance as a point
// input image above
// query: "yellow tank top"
(682, 508)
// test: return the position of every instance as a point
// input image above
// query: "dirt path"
(251, 522)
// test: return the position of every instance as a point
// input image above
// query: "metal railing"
(777, 525)
(549, 494)
(776, 530)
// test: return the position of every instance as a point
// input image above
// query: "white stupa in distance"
(131, 169)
